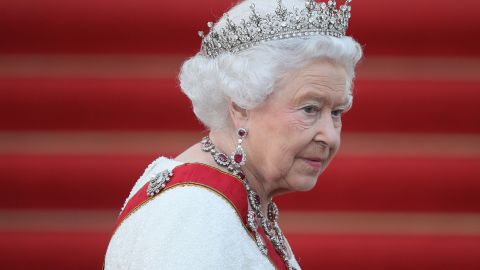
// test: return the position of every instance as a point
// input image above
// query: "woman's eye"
(310, 109)
(337, 113)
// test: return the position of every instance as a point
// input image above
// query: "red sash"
(224, 184)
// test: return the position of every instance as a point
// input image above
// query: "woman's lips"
(314, 163)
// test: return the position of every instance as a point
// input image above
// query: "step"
(351, 183)
(55, 250)
(158, 104)
(292, 222)
(94, 104)
(85, 250)
(169, 27)
(380, 252)
(353, 144)
(156, 66)
(393, 184)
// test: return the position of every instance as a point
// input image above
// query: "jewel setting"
(238, 157)
(158, 182)
(255, 217)
(315, 19)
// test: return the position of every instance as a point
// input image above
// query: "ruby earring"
(239, 157)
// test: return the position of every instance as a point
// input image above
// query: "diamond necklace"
(254, 216)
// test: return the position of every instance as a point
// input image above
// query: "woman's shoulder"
(195, 196)
(185, 224)
(156, 166)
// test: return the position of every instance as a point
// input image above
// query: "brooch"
(158, 182)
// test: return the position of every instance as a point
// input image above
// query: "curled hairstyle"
(247, 78)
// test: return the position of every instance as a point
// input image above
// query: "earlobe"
(238, 114)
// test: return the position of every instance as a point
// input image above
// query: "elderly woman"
(270, 83)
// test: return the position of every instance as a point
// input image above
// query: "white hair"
(247, 78)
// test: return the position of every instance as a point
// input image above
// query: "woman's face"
(295, 133)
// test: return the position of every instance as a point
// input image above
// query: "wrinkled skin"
(295, 132)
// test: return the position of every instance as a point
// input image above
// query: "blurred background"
(89, 97)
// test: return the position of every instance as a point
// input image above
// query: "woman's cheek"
(299, 122)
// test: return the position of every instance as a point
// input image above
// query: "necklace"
(255, 217)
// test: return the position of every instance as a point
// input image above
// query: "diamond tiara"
(315, 19)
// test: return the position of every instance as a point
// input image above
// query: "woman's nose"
(327, 131)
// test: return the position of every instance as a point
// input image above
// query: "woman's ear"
(238, 114)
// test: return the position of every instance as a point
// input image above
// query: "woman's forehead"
(316, 72)
(318, 80)
(322, 94)
(322, 69)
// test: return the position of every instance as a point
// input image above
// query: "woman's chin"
(303, 183)
(305, 176)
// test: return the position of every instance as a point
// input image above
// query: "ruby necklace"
(254, 217)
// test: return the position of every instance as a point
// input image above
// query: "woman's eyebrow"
(310, 94)
(346, 103)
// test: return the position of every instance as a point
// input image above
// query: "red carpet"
(349, 184)
(149, 104)
(403, 193)
(83, 250)
(148, 26)
(380, 252)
